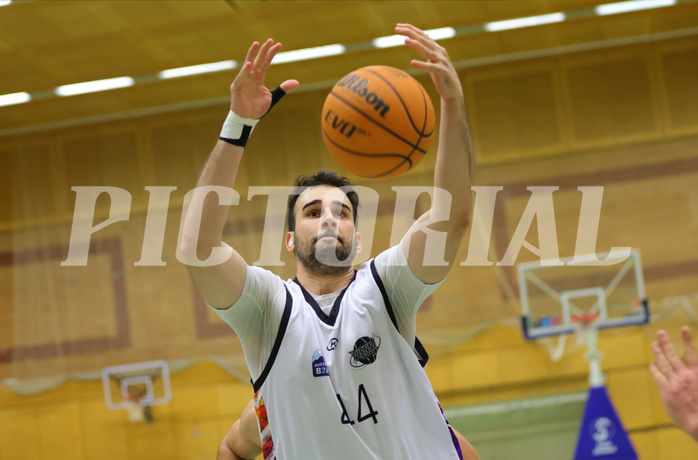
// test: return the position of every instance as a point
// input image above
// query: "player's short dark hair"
(321, 177)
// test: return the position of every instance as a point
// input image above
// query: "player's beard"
(326, 260)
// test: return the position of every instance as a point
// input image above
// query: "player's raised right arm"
(202, 233)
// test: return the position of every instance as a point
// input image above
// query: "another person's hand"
(677, 380)
(249, 98)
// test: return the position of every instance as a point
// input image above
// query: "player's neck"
(320, 285)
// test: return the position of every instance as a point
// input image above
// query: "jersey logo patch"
(333, 344)
(319, 367)
(365, 351)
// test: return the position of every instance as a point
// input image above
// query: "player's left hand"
(437, 63)
(677, 380)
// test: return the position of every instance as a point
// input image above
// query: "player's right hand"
(249, 98)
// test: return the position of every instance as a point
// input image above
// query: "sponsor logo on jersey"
(333, 344)
(365, 351)
(319, 367)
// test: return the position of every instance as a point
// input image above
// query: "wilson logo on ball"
(360, 86)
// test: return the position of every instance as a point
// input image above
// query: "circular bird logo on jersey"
(365, 351)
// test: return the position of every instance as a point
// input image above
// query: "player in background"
(677, 380)
(242, 441)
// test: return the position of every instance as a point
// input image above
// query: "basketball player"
(677, 380)
(331, 352)
(242, 440)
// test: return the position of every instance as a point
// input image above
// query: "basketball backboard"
(554, 297)
(146, 384)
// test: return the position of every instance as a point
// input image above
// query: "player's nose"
(329, 219)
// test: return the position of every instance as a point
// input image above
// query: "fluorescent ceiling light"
(308, 53)
(94, 86)
(442, 33)
(14, 98)
(389, 41)
(197, 69)
(397, 40)
(524, 22)
(5, 2)
(624, 7)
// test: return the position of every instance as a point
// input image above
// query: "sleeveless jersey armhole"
(384, 293)
(419, 350)
(256, 385)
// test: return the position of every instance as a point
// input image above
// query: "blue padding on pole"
(602, 435)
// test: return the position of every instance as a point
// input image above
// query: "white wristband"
(233, 125)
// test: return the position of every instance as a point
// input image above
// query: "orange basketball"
(378, 122)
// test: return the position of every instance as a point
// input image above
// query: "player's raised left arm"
(454, 163)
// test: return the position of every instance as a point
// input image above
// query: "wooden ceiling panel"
(22, 73)
(185, 49)
(682, 16)
(46, 44)
(76, 20)
(145, 15)
(185, 46)
(27, 33)
(196, 10)
(110, 61)
(340, 22)
(498, 10)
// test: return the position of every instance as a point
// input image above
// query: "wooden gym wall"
(625, 118)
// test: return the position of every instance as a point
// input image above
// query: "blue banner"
(602, 435)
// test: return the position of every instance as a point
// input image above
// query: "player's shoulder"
(261, 278)
(389, 263)
(393, 256)
(261, 272)
(380, 266)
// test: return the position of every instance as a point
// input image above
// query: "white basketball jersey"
(346, 385)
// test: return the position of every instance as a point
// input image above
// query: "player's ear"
(290, 243)
(358, 243)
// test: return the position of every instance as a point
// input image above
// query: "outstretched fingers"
(421, 42)
(249, 59)
(436, 61)
(259, 57)
(689, 350)
(426, 66)
(249, 96)
(265, 56)
(669, 351)
(252, 53)
(413, 32)
(660, 360)
(658, 376)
